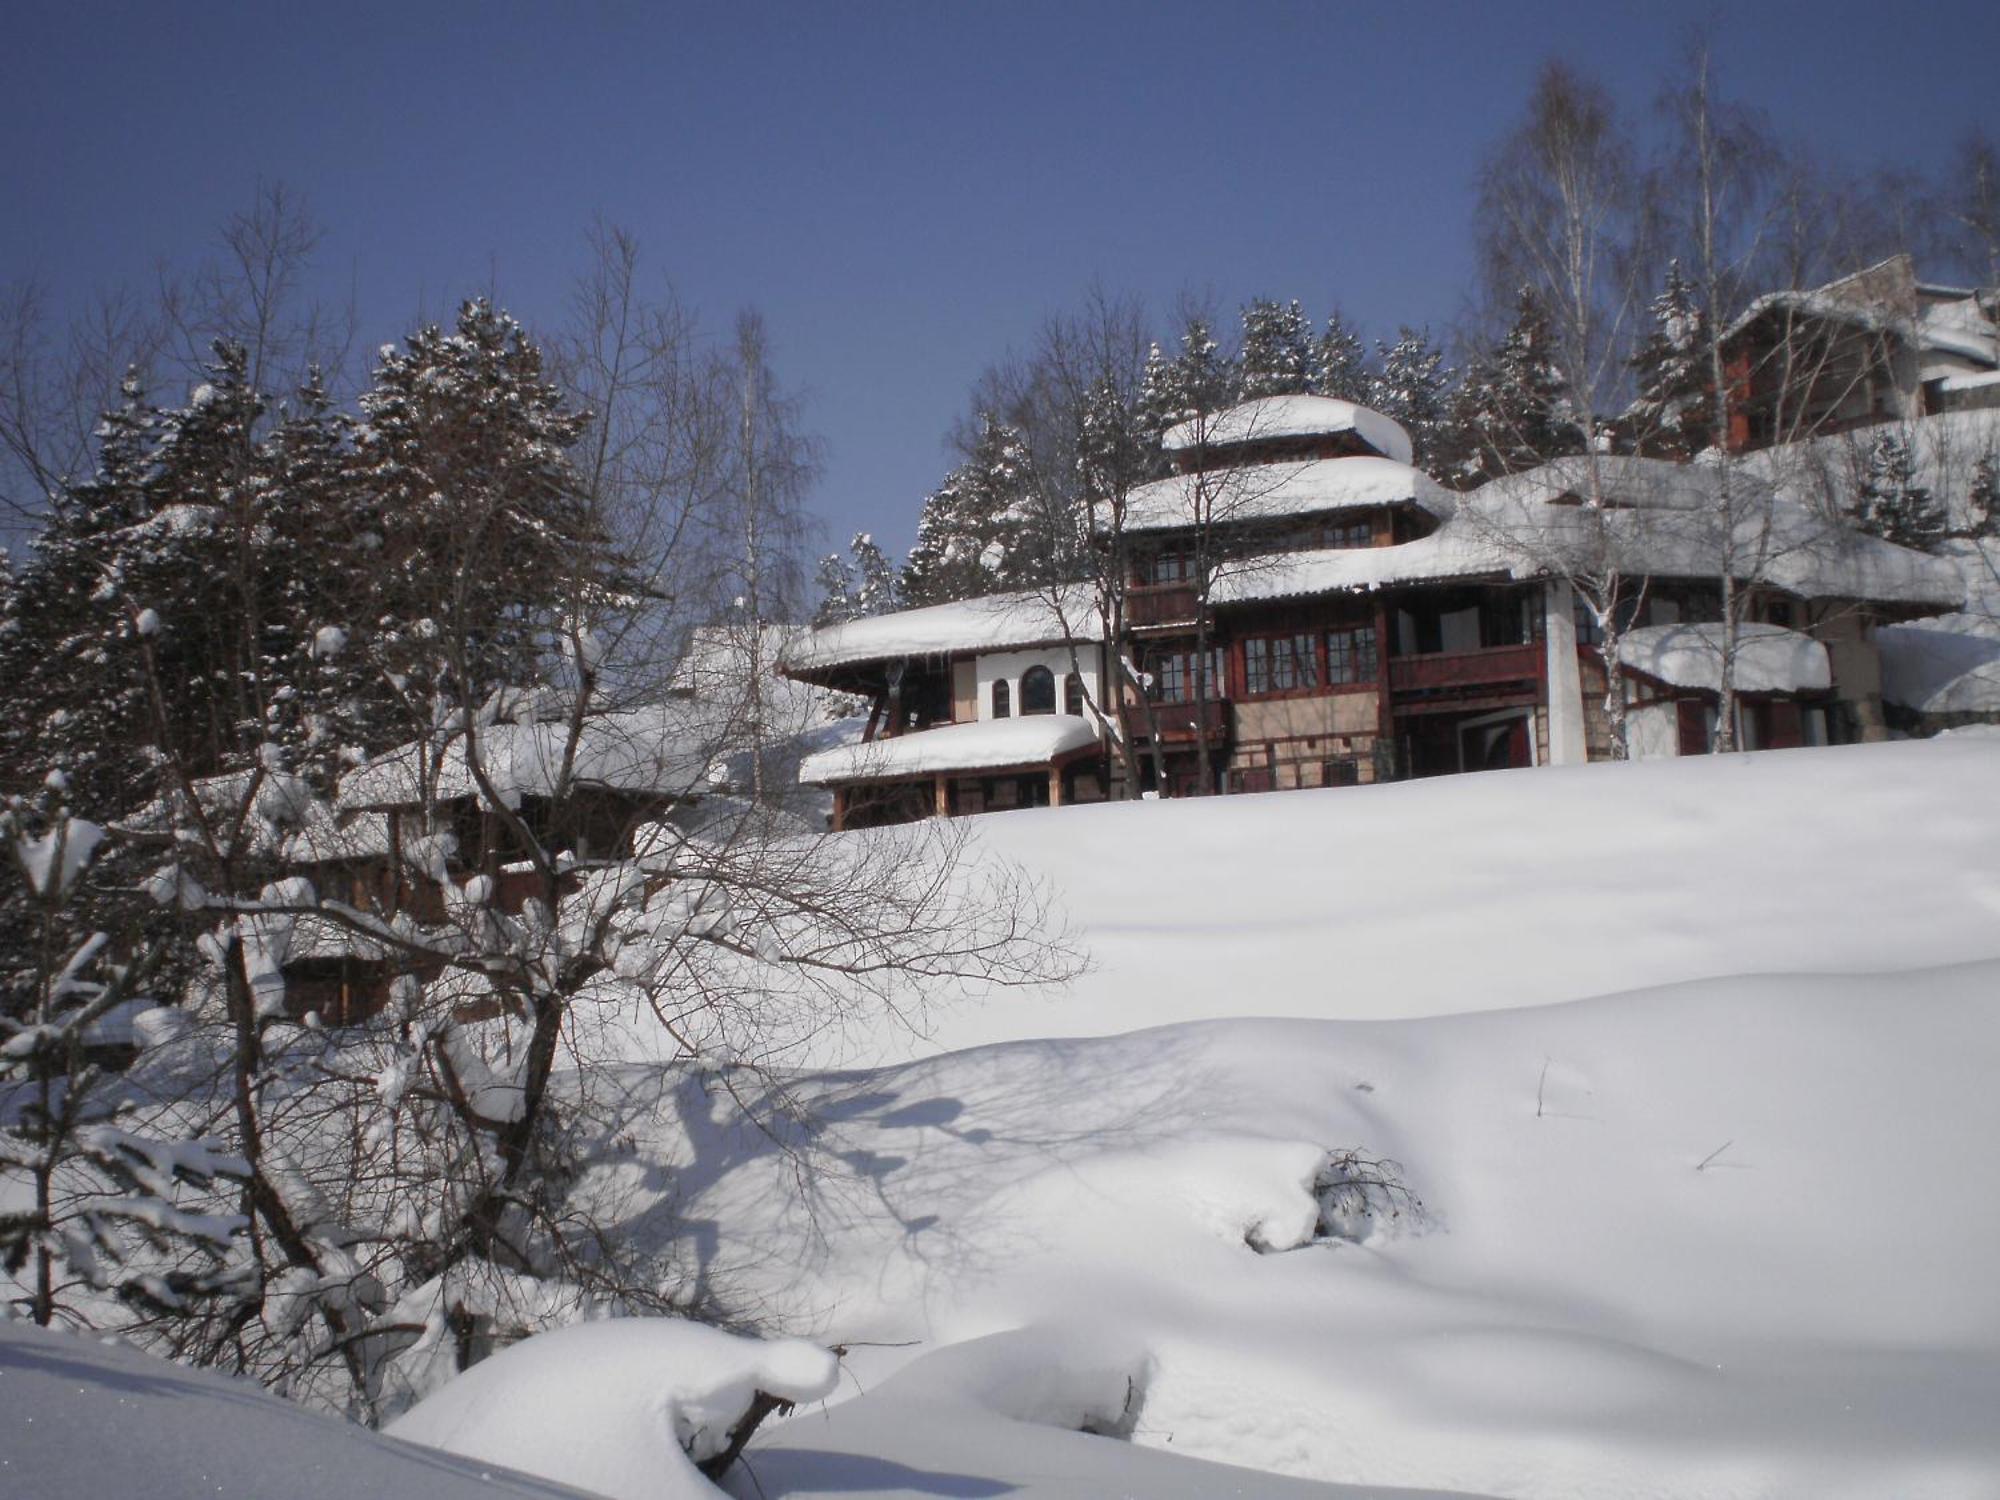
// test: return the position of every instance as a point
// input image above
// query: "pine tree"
(1668, 418)
(874, 577)
(1340, 366)
(837, 602)
(1982, 500)
(1891, 504)
(1509, 412)
(462, 473)
(1413, 386)
(1197, 382)
(972, 536)
(1277, 357)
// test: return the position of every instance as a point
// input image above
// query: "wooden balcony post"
(943, 791)
(1055, 786)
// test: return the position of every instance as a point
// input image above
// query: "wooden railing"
(1461, 669)
(1177, 721)
(1151, 604)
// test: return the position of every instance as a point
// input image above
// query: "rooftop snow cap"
(1270, 418)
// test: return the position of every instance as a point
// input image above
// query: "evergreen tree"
(1197, 382)
(1412, 386)
(1340, 366)
(874, 577)
(835, 581)
(1509, 413)
(1982, 499)
(1891, 504)
(1669, 416)
(463, 484)
(972, 536)
(1277, 357)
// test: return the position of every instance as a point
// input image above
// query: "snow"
(1947, 665)
(328, 642)
(82, 1419)
(1767, 659)
(996, 622)
(72, 840)
(1272, 417)
(615, 1407)
(664, 750)
(987, 744)
(1260, 492)
(148, 622)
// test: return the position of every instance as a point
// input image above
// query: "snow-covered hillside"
(1321, 1189)
(1509, 888)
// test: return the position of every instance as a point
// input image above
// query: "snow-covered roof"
(1447, 554)
(1767, 659)
(1261, 492)
(1622, 481)
(663, 750)
(1521, 528)
(1948, 665)
(1273, 417)
(987, 745)
(995, 622)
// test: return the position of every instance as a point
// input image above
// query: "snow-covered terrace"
(1767, 658)
(1274, 418)
(1949, 665)
(1262, 492)
(988, 745)
(996, 622)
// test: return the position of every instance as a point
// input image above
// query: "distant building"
(1365, 625)
(1877, 346)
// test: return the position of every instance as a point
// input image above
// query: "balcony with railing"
(1149, 606)
(1178, 721)
(1458, 671)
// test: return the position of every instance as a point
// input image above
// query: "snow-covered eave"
(1016, 621)
(1032, 742)
(1258, 494)
(1278, 418)
(1767, 661)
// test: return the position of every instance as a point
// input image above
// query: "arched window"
(1038, 691)
(1073, 695)
(1002, 699)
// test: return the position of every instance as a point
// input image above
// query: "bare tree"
(1558, 213)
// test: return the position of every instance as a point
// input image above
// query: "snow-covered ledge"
(988, 745)
(1768, 659)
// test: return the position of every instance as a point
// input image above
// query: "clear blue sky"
(904, 190)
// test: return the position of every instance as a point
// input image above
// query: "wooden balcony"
(1455, 671)
(1152, 605)
(1177, 722)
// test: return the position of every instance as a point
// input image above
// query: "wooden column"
(839, 809)
(1055, 786)
(943, 788)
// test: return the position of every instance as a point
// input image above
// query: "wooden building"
(1307, 609)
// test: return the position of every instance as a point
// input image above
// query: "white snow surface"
(1270, 417)
(665, 749)
(1946, 665)
(615, 1407)
(987, 744)
(1767, 659)
(995, 622)
(88, 1420)
(1262, 492)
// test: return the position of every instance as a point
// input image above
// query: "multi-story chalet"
(1306, 609)
(1876, 346)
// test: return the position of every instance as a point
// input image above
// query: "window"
(1073, 695)
(1350, 656)
(1038, 691)
(1170, 567)
(1174, 676)
(1279, 664)
(1341, 534)
(1002, 699)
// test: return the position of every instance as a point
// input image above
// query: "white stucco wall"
(1009, 665)
(1566, 739)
